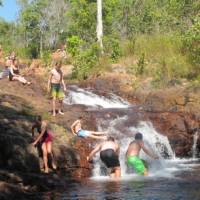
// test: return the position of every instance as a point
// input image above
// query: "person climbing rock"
(44, 139)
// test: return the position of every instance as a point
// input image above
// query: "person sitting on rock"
(45, 139)
(54, 85)
(77, 130)
(109, 154)
(132, 155)
(14, 73)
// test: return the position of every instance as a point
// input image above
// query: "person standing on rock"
(132, 155)
(109, 154)
(45, 138)
(77, 130)
(54, 85)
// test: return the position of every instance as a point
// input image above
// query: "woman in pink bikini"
(45, 139)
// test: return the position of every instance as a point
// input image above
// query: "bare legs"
(116, 172)
(97, 135)
(47, 150)
(60, 107)
(21, 79)
(54, 106)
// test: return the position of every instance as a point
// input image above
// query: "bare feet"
(60, 112)
(46, 171)
(54, 166)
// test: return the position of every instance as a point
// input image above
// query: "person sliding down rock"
(77, 130)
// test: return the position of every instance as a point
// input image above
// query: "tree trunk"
(41, 45)
(99, 24)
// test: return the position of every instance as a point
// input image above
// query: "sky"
(9, 10)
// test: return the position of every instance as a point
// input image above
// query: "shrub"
(85, 61)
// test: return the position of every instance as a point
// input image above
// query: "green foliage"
(191, 46)
(112, 48)
(85, 61)
(82, 19)
(160, 57)
(5, 34)
(73, 45)
(46, 57)
(140, 65)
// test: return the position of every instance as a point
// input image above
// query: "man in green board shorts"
(54, 86)
(132, 155)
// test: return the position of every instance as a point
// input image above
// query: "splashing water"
(156, 142)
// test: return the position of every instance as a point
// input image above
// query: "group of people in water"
(108, 147)
(109, 154)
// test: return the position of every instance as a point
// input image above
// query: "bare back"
(134, 148)
(109, 145)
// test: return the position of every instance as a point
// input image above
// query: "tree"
(99, 24)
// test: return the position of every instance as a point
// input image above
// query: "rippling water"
(183, 183)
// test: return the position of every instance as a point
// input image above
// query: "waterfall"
(194, 146)
(123, 126)
(87, 97)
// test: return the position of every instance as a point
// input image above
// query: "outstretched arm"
(118, 149)
(63, 83)
(73, 126)
(151, 154)
(32, 130)
(96, 149)
(44, 125)
(49, 82)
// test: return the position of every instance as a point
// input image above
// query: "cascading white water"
(85, 97)
(194, 146)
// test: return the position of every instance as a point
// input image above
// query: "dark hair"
(38, 118)
(110, 138)
(58, 63)
(138, 136)
(80, 117)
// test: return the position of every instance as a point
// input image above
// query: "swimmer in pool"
(132, 155)
(77, 130)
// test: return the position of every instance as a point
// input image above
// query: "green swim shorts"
(56, 91)
(137, 164)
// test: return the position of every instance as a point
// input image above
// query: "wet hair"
(38, 118)
(138, 136)
(110, 138)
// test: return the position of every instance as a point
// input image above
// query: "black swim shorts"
(110, 158)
